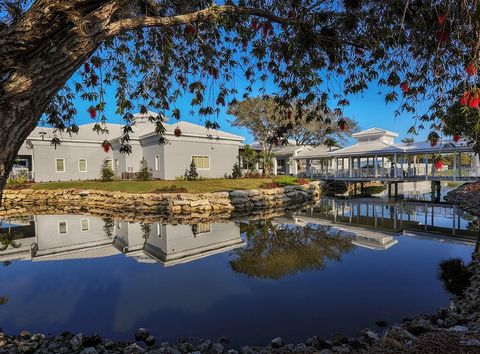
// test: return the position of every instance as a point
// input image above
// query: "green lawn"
(216, 185)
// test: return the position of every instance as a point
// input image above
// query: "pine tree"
(192, 173)
(143, 173)
(106, 171)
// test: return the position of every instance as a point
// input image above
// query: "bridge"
(376, 157)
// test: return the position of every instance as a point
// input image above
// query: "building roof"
(367, 148)
(290, 149)
(316, 151)
(195, 130)
(85, 133)
(374, 131)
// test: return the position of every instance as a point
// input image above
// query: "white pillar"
(295, 167)
(426, 167)
(395, 175)
(375, 165)
(350, 167)
(275, 166)
(454, 167)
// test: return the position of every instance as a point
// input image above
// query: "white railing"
(412, 172)
(15, 175)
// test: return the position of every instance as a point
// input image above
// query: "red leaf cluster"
(177, 132)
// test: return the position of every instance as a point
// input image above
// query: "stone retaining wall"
(467, 197)
(162, 203)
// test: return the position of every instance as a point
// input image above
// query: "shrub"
(302, 181)
(191, 173)
(236, 171)
(106, 171)
(253, 174)
(16, 183)
(270, 185)
(143, 173)
(171, 189)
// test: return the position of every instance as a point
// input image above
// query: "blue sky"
(368, 108)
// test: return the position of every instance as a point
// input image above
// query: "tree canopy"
(423, 54)
(272, 125)
(275, 251)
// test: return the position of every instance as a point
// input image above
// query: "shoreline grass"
(132, 186)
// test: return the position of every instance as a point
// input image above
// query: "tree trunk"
(12, 136)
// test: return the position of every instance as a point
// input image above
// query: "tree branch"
(208, 14)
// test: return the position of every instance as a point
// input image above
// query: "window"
(21, 163)
(159, 230)
(85, 224)
(60, 165)
(204, 228)
(62, 228)
(202, 162)
(82, 165)
(156, 163)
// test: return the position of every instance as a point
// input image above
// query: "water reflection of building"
(376, 214)
(61, 237)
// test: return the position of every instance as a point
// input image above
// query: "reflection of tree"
(194, 228)
(108, 227)
(275, 251)
(455, 275)
(3, 300)
(146, 229)
(8, 240)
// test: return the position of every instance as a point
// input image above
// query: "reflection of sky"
(113, 296)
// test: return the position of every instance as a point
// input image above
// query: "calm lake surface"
(335, 267)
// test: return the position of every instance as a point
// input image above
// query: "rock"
(133, 349)
(76, 342)
(317, 343)
(399, 334)
(150, 340)
(246, 350)
(141, 334)
(458, 329)
(24, 335)
(232, 351)
(381, 323)
(38, 337)
(205, 345)
(370, 335)
(89, 350)
(340, 349)
(339, 339)
(217, 348)
(181, 340)
(224, 340)
(418, 326)
(470, 342)
(276, 342)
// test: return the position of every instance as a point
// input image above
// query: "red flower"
(439, 165)
(177, 132)
(404, 87)
(474, 101)
(456, 138)
(442, 19)
(342, 127)
(465, 98)
(190, 30)
(106, 146)
(86, 67)
(92, 112)
(471, 69)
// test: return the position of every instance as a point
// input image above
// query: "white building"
(80, 156)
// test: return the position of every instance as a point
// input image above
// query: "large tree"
(152, 51)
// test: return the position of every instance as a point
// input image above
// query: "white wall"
(45, 157)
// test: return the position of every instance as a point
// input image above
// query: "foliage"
(236, 171)
(250, 156)
(106, 171)
(108, 227)
(17, 182)
(191, 174)
(8, 240)
(455, 275)
(146, 230)
(275, 251)
(143, 172)
(171, 189)
(252, 174)
(3, 300)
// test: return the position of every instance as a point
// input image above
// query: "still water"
(335, 267)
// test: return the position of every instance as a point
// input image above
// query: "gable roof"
(85, 133)
(374, 131)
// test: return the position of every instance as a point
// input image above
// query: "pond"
(336, 267)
